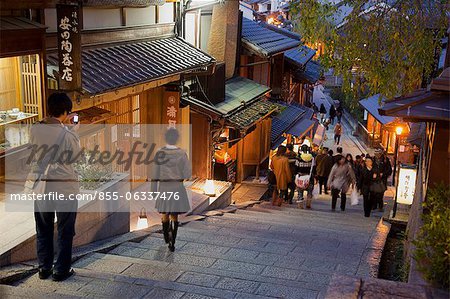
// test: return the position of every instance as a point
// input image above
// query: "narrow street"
(259, 252)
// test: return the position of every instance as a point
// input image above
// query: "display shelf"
(9, 120)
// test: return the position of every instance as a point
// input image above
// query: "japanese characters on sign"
(69, 46)
(171, 107)
(406, 184)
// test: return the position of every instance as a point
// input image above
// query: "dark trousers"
(283, 194)
(323, 182)
(45, 223)
(334, 196)
(368, 199)
(291, 188)
(337, 138)
(377, 201)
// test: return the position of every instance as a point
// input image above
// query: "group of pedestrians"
(333, 113)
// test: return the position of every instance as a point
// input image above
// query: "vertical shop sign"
(406, 184)
(69, 46)
(171, 107)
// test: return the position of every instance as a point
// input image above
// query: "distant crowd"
(313, 168)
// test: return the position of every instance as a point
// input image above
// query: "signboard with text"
(406, 184)
(171, 107)
(69, 46)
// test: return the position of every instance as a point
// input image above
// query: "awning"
(240, 91)
(243, 105)
(311, 74)
(372, 105)
(263, 41)
(284, 120)
(110, 68)
(299, 56)
(248, 116)
(301, 127)
(423, 105)
(20, 36)
(293, 119)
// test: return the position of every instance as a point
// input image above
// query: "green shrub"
(433, 242)
(92, 175)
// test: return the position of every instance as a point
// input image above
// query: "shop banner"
(406, 184)
(69, 46)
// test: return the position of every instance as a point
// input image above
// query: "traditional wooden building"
(431, 109)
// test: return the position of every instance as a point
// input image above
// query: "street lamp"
(398, 132)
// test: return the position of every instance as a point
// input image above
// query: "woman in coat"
(332, 114)
(340, 179)
(168, 177)
(282, 171)
(367, 176)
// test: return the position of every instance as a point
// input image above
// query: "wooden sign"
(69, 46)
(406, 184)
(171, 108)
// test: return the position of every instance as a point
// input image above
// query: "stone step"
(219, 275)
(243, 248)
(292, 221)
(7, 291)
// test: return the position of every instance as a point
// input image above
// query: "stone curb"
(369, 266)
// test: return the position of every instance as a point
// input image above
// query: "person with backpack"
(337, 133)
(384, 167)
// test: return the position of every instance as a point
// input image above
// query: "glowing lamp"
(399, 130)
(209, 188)
(270, 21)
(142, 220)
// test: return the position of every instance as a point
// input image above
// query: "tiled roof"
(246, 117)
(299, 56)
(110, 68)
(240, 91)
(311, 74)
(372, 104)
(282, 122)
(123, 3)
(18, 23)
(301, 127)
(422, 105)
(264, 41)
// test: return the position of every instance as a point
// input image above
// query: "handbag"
(354, 197)
(377, 187)
(35, 182)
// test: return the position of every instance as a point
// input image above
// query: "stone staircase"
(252, 250)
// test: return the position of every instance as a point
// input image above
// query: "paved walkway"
(260, 252)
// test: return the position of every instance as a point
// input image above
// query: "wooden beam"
(95, 37)
(87, 101)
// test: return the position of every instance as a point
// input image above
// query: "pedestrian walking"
(366, 179)
(323, 112)
(281, 169)
(338, 132)
(56, 131)
(332, 114)
(324, 164)
(168, 179)
(359, 164)
(305, 169)
(339, 112)
(292, 157)
(385, 170)
(315, 108)
(340, 179)
(338, 156)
